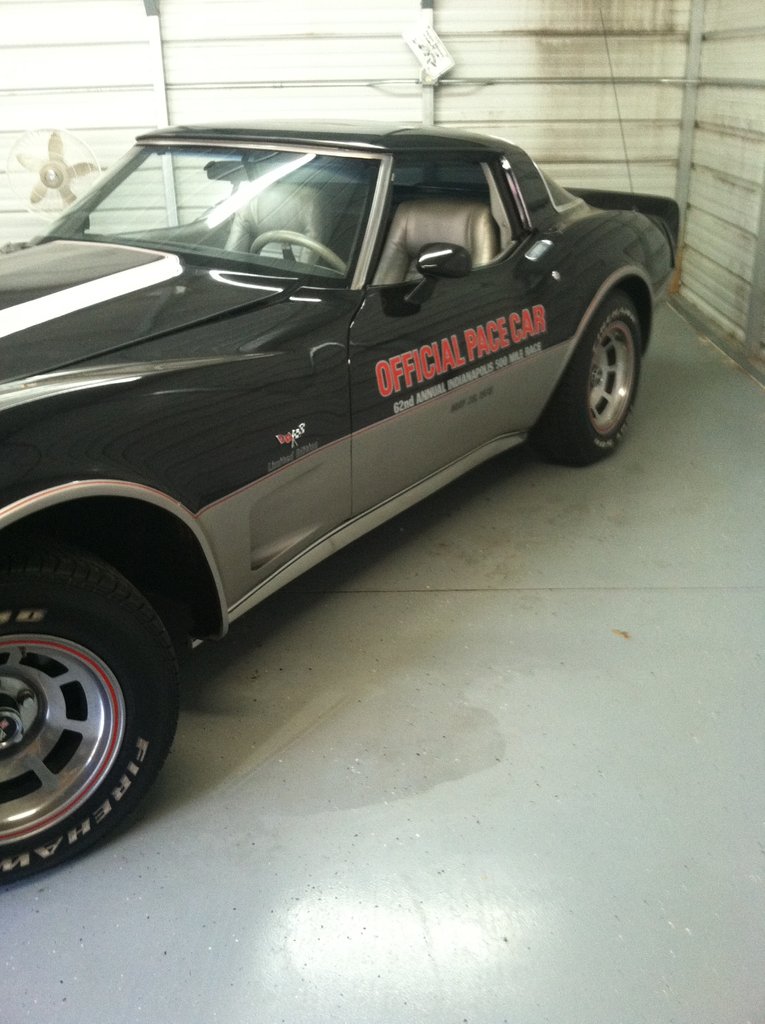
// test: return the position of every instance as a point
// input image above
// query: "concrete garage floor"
(504, 760)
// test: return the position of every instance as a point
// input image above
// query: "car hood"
(65, 302)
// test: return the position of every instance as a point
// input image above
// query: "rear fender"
(664, 212)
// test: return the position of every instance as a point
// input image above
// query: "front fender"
(66, 497)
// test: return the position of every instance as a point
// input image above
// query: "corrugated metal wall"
(520, 70)
(539, 71)
(550, 84)
(289, 59)
(80, 66)
(724, 259)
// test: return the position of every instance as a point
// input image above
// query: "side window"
(434, 200)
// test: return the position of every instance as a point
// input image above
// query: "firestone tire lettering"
(121, 671)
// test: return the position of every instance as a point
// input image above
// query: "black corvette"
(244, 348)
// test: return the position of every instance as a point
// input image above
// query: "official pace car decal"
(506, 339)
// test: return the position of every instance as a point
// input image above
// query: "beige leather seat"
(280, 209)
(420, 222)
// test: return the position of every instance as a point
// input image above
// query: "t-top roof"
(341, 134)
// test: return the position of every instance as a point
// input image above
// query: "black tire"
(88, 705)
(587, 416)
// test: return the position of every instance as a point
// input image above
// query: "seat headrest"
(420, 222)
(278, 208)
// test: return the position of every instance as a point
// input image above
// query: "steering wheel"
(295, 238)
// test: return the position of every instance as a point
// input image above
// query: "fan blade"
(30, 163)
(55, 146)
(66, 194)
(79, 170)
(38, 192)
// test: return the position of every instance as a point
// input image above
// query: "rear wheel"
(587, 415)
(88, 705)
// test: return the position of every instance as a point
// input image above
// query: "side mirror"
(438, 260)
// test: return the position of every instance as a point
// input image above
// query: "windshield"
(277, 211)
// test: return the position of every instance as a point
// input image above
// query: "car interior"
(456, 202)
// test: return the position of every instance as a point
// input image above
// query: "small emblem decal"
(292, 437)
(294, 440)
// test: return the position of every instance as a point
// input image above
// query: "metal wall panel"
(574, 141)
(190, 20)
(555, 77)
(217, 102)
(740, 111)
(567, 56)
(737, 154)
(742, 199)
(259, 61)
(723, 263)
(537, 72)
(559, 16)
(43, 23)
(80, 65)
(551, 102)
(721, 296)
(256, 59)
(733, 57)
(733, 247)
(727, 15)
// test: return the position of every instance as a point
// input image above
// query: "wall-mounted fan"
(48, 169)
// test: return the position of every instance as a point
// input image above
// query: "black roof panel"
(380, 136)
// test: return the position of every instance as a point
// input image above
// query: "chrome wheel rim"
(612, 374)
(62, 718)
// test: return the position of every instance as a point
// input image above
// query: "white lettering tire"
(587, 415)
(88, 705)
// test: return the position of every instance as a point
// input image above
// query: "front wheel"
(587, 415)
(88, 705)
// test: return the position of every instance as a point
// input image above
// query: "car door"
(438, 378)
